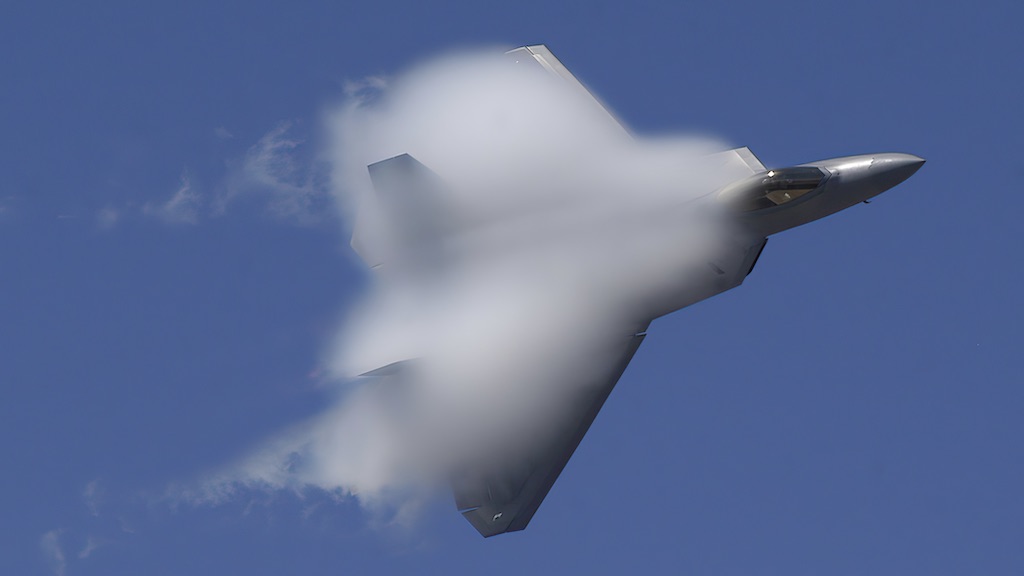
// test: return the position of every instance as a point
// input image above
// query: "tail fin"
(406, 209)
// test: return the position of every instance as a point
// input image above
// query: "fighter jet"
(503, 494)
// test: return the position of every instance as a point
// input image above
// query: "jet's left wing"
(503, 493)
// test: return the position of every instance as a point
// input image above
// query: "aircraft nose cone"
(888, 170)
(872, 174)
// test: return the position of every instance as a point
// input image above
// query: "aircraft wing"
(539, 55)
(503, 493)
(742, 160)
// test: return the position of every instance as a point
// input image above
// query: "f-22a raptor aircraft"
(763, 201)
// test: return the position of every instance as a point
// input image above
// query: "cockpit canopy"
(774, 188)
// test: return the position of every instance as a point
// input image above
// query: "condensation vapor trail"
(546, 214)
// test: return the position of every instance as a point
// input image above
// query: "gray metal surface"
(502, 493)
(505, 499)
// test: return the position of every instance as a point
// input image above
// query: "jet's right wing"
(502, 492)
(741, 160)
(539, 55)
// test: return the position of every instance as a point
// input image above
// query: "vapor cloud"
(504, 289)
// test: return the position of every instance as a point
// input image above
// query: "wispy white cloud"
(50, 546)
(276, 175)
(370, 84)
(274, 171)
(91, 544)
(107, 217)
(183, 207)
(91, 496)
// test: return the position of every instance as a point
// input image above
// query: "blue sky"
(170, 284)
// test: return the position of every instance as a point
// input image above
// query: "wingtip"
(490, 522)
